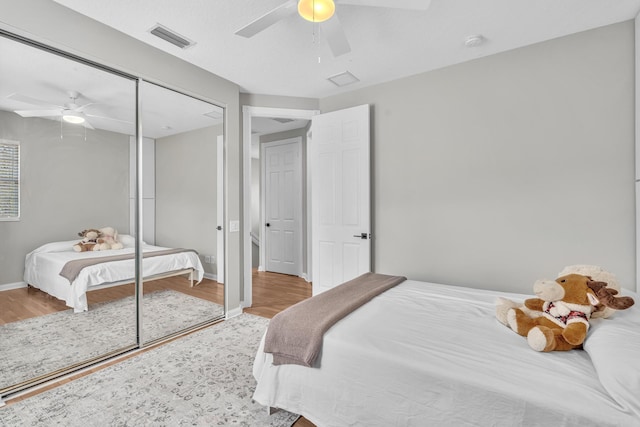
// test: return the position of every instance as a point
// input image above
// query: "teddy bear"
(108, 240)
(503, 305)
(562, 311)
(89, 240)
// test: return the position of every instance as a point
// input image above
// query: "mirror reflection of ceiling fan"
(70, 112)
(324, 11)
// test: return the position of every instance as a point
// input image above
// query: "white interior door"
(340, 197)
(220, 211)
(283, 206)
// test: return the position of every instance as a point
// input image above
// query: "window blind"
(9, 179)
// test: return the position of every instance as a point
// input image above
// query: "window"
(9, 180)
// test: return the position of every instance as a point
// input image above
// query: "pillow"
(614, 348)
(56, 246)
(127, 240)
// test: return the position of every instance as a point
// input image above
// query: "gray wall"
(186, 183)
(59, 27)
(67, 185)
(505, 169)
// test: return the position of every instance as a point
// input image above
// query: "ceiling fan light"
(73, 118)
(316, 10)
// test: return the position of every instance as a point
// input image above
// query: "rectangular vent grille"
(282, 120)
(171, 36)
(343, 79)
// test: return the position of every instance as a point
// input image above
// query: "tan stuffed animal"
(564, 307)
(108, 239)
(598, 274)
(89, 240)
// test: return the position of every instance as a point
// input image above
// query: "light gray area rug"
(44, 344)
(203, 379)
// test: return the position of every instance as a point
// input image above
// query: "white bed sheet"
(424, 354)
(42, 270)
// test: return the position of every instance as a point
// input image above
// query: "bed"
(44, 264)
(426, 354)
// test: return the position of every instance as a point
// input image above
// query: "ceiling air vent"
(171, 36)
(343, 79)
(282, 120)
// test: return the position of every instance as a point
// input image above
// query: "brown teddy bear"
(559, 318)
(89, 240)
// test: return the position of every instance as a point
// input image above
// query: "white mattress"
(43, 266)
(424, 354)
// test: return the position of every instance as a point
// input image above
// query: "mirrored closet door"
(64, 189)
(181, 194)
(84, 197)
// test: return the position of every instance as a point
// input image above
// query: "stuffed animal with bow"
(89, 240)
(558, 320)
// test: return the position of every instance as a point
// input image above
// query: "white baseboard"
(261, 268)
(234, 312)
(211, 276)
(16, 285)
(304, 276)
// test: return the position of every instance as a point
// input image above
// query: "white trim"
(247, 113)
(210, 276)
(220, 244)
(234, 312)
(637, 149)
(15, 285)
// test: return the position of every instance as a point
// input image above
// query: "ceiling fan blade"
(107, 118)
(265, 21)
(336, 38)
(32, 101)
(393, 4)
(38, 113)
(82, 107)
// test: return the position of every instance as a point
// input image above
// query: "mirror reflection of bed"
(78, 176)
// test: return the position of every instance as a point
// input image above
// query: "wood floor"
(24, 303)
(272, 293)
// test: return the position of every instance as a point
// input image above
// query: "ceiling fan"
(324, 11)
(70, 112)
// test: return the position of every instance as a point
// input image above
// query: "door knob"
(363, 236)
(219, 228)
(268, 225)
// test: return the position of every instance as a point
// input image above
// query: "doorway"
(249, 115)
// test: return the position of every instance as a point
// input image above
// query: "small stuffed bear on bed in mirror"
(89, 240)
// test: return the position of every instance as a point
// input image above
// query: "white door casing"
(282, 202)
(247, 113)
(340, 176)
(220, 210)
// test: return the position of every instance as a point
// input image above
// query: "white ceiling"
(47, 78)
(386, 44)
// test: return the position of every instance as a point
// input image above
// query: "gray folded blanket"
(295, 335)
(72, 269)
